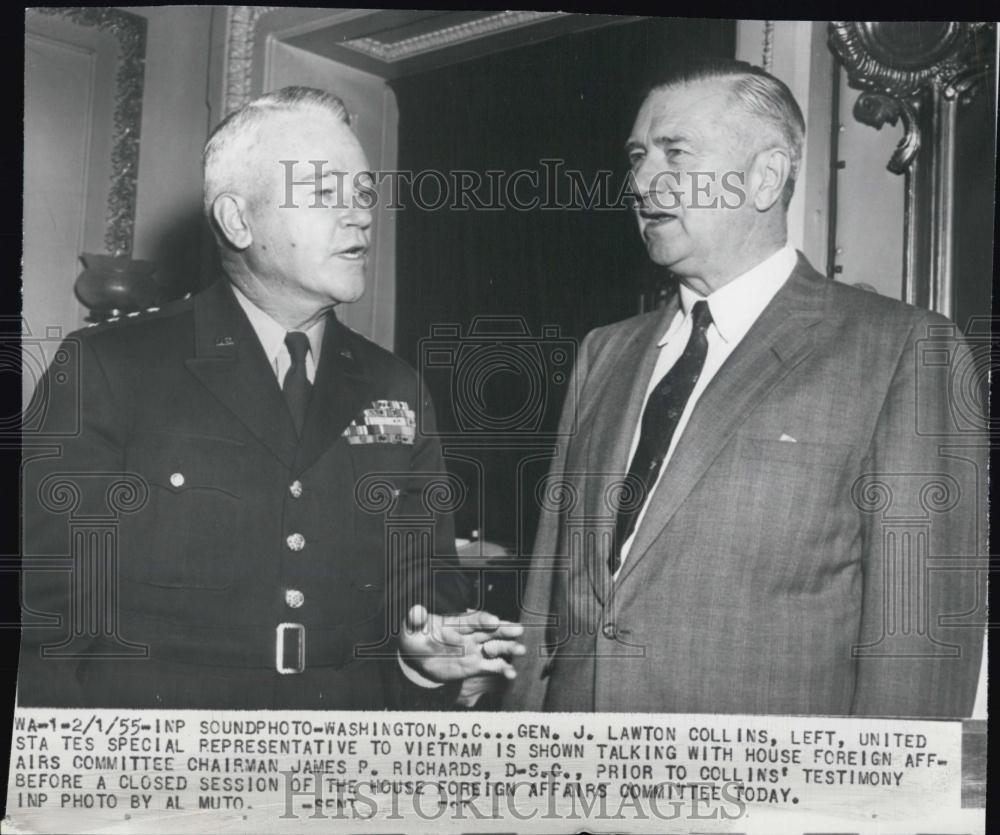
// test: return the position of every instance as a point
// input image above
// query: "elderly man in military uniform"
(256, 449)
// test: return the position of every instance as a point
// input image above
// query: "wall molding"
(460, 33)
(241, 38)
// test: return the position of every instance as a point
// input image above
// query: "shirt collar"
(272, 334)
(737, 305)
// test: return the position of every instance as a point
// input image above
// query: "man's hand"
(455, 647)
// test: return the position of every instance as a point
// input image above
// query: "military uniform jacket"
(174, 520)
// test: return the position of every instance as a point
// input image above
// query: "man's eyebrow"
(662, 139)
(658, 139)
(309, 177)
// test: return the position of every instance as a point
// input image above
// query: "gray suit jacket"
(831, 575)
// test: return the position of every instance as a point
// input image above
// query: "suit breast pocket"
(187, 535)
(788, 494)
(799, 455)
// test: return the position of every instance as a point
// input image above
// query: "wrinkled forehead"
(298, 137)
(696, 105)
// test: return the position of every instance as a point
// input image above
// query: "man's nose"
(358, 216)
(642, 178)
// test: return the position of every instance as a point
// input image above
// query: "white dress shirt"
(272, 339)
(734, 307)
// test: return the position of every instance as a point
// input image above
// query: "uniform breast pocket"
(787, 492)
(187, 536)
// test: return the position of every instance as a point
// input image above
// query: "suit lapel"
(230, 363)
(610, 439)
(778, 341)
(342, 388)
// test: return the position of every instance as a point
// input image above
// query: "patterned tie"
(296, 386)
(659, 421)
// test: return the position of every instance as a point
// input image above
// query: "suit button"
(295, 488)
(294, 598)
(296, 542)
(609, 631)
(177, 479)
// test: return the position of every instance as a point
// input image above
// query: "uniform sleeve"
(429, 573)
(451, 586)
(922, 498)
(72, 468)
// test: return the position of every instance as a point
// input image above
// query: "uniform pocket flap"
(181, 463)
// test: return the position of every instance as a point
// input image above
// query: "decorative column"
(94, 502)
(590, 531)
(902, 507)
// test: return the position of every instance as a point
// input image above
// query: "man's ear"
(229, 212)
(768, 174)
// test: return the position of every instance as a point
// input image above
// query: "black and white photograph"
(476, 421)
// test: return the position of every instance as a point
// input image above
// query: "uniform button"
(610, 631)
(294, 598)
(295, 488)
(177, 479)
(296, 542)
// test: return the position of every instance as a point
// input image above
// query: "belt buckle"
(279, 648)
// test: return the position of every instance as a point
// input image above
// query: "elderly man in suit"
(717, 534)
(278, 544)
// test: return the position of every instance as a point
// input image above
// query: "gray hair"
(231, 142)
(759, 95)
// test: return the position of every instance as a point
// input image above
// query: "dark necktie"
(664, 408)
(296, 386)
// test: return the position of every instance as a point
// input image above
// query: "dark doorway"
(552, 274)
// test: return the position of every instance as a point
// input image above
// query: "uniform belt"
(287, 647)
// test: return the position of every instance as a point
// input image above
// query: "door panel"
(68, 100)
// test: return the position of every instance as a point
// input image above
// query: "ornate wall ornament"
(241, 37)
(129, 31)
(878, 109)
(919, 73)
(896, 63)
